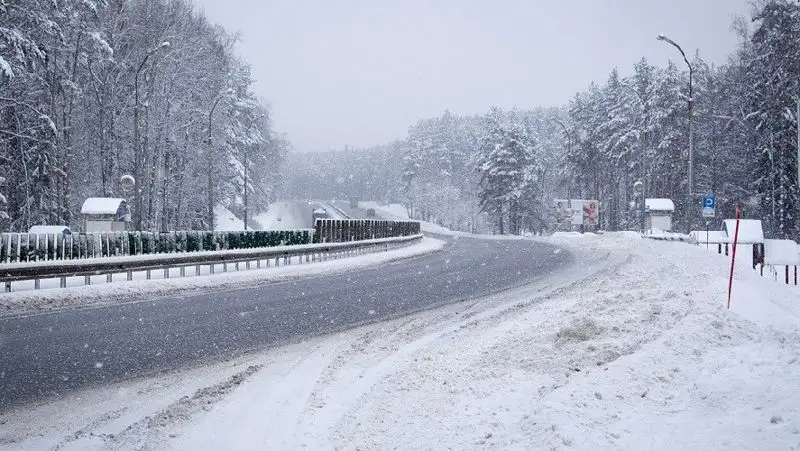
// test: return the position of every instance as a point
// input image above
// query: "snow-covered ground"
(399, 212)
(25, 300)
(631, 349)
(284, 216)
(224, 220)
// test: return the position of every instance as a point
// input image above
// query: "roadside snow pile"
(285, 216)
(399, 212)
(226, 221)
(631, 349)
(391, 211)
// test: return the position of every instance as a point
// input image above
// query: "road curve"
(48, 355)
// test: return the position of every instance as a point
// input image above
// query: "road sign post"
(709, 206)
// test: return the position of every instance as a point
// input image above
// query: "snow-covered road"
(632, 350)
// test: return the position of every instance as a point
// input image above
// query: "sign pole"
(733, 258)
(707, 222)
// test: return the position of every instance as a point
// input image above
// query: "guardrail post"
(166, 272)
(225, 267)
(109, 278)
(197, 270)
(183, 271)
(247, 265)
(37, 284)
(87, 280)
(130, 276)
(212, 268)
(258, 264)
(62, 282)
(8, 287)
(236, 266)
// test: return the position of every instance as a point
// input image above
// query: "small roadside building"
(751, 237)
(105, 214)
(659, 214)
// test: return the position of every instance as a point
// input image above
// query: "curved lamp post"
(689, 194)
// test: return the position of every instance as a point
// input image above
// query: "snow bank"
(630, 349)
(399, 212)
(391, 211)
(285, 216)
(226, 221)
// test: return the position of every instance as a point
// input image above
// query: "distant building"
(659, 214)
(105, 214)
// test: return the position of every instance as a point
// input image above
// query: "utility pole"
(643, 175)
(569, 151)
(137, 150)
(246, 167)
(689, 196)
(210, 162)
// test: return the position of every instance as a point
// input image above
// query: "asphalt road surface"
(48, 355)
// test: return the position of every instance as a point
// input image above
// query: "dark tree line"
(618, 141)
(91, 90)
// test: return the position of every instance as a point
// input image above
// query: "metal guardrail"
(37, 271)
(33, 247)
(338, 210)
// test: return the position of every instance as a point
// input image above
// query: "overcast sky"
(360, 72)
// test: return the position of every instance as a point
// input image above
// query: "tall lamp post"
(246, 166)
(137, 151)
(569, 151)
(689, 203)
(210, 159)
(641, 182)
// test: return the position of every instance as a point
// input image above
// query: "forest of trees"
(499, 171)
(91, 90)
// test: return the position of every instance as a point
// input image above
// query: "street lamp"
(246, 165)
(137, 152)
(210, 158)
(569, 151)
(642, 137)
(689, 203)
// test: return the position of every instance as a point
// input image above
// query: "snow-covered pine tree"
(774, 80)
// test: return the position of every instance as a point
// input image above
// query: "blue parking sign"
(709, 206)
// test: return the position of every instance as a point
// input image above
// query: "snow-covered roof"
(320, 210)
(101, 206)
(41, 229)
(750, 230)
(659, 204)
(781, 252)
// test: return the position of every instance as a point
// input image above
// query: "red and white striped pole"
(733, 258)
